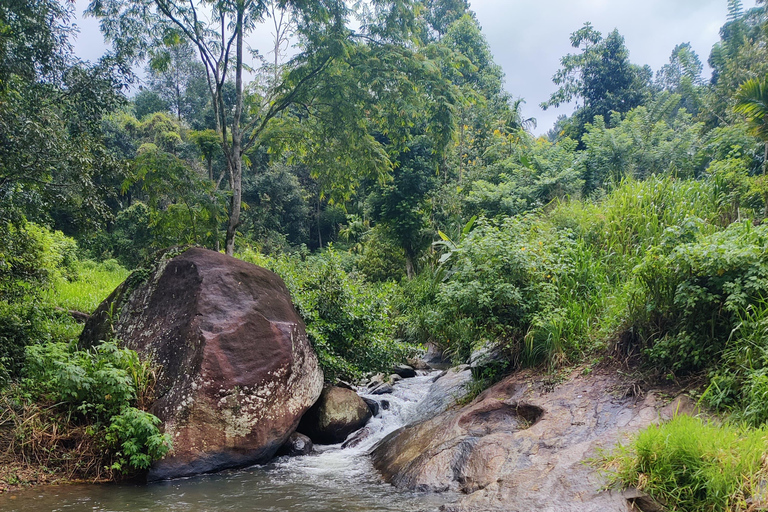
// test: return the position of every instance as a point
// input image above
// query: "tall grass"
(94, 282)
(696, 466)
(640, 214)
(612, 236)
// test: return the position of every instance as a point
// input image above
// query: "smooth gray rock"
(296, 445)
(357, 438)
(521, 446)
(381, 389)
(373, 405)
(487, 355)
(447, 389)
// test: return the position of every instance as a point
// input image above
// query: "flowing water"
(330, 480)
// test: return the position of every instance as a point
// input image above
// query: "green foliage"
(130, 240)
(641, 214)
(641, 144)
(99, 387)
(349, 322)
(382, 258)
(136, 440)
(502, 276)
(693, 295)
(523, 174)
(601, 78)
(695, 466)
(32, 258)
(277, 207)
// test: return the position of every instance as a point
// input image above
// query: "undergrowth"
(78, 412)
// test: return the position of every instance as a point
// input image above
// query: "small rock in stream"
(336, 414)
(382, 389)
(297, 444)
(357, 438)
(373, 405)
(404, 371)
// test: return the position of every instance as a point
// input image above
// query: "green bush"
(382, 259)
(501, 277)
(349, 321)
(98, 387)
(691, 298)
(695, 466)
(135, 439)
(32, 258)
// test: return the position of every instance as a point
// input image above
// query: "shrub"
(502, 276)
(349, 322)
(98, 388)
(691, 298)
(135, 439)
(32, 258)
(382, 258)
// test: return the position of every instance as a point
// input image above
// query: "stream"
(331, 479)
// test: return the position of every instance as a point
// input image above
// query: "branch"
(256, 127)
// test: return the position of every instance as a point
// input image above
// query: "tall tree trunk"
(234, 203)
(235, 161)
(319, 235)
(765, 151)
(410, 270)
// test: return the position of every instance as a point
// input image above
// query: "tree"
(399, 204)
(53, 162)
(440, 14)
(752, 102)
(601, 79)
(137, 26)
(148, 102)
(179, 80)
(683, 76)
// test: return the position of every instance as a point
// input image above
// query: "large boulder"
(236, 371)
(337, 413)
(522, 445)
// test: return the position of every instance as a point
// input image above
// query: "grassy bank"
(692, 465)
(70, 415)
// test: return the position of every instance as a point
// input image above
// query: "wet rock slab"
(520, 446)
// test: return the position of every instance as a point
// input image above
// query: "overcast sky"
(528, 37)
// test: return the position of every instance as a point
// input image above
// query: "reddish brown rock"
(337, 413)
(236, 370)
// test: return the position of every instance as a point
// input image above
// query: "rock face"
(236, 370)
(520, 446)
(447, 389)
(337, 413)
